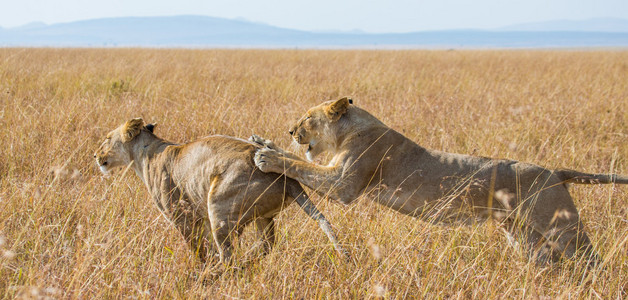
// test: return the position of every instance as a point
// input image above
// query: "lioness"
(209, 186)
(370, 158)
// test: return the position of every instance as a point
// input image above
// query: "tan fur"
(369, 158)
(206, 188)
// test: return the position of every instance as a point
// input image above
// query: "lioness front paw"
(268, 160)
(262, 141)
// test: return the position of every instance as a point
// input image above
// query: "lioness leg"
(574, 241)
(344, 185)
(195, 232)
(538, 247)
(177, 208)
(555, 216)
(266, 229)
(567, 243)
(222, 232)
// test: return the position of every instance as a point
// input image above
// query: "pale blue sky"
(367, 15)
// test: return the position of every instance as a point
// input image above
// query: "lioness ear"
(151, 127)
(131, 129)
(335, 110)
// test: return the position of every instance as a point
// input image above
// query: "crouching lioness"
(207, 188)
(369, 158)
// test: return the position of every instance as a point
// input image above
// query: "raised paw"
(261, 141)
(268, 160)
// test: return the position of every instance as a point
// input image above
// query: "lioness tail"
(571, 176)
(310, 209)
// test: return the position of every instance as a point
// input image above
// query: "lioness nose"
(291, 131)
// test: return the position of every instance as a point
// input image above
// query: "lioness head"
(115, 151)
(318, 128)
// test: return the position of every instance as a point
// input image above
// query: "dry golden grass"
(66, 232)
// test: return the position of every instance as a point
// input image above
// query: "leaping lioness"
(370, 158)
(207, 187)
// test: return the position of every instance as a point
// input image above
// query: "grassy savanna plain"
(68, 232)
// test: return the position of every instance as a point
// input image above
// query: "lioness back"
(226, 164)
(221, 151)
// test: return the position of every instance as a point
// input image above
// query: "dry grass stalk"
(95, 237)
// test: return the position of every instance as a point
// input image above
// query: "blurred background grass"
(66, 232)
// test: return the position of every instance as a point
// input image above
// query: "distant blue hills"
(590, 25)
(202, 31)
